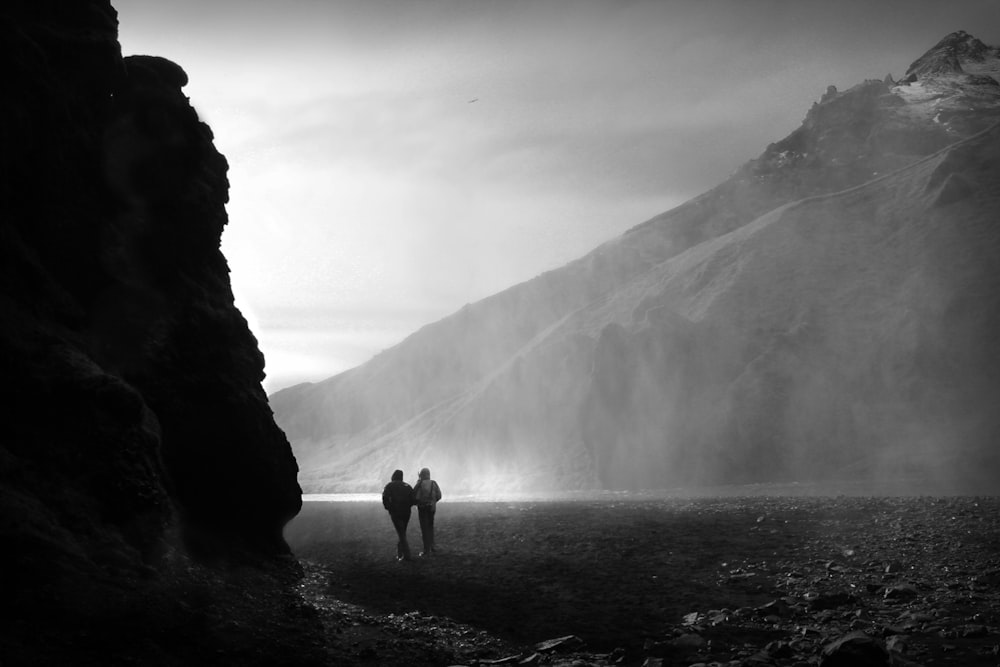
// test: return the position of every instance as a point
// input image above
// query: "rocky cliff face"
(825, 312)
(136, 429)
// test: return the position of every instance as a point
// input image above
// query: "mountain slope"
(712, 343)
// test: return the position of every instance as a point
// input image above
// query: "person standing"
(426, 495)
(397, 499)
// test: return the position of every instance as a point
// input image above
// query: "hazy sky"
(391, 161)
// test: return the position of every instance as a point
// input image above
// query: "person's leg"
(430, 526)
(402, 538)
(425, 530)
(402, 546)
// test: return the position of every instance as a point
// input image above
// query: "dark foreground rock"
(137, 441)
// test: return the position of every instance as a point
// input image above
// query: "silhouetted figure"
(426, 494)
(397, 498)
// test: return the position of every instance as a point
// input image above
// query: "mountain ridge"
(849, 139)
(949, 55)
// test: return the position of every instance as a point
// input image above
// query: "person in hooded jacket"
(426, 494)
(397, 499)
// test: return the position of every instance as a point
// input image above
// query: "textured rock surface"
(727, 579)
(135, 426)
(739, 337)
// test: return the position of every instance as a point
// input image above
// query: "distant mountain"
(829, 311)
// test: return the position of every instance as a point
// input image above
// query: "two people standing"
(398, 497)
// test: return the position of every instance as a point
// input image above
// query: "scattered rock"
(896, 643)
(783, 628)
(687, 642)
(691, 619)
(778, 608)
(855, 650)
(971, 631)
(779, 650)
(830, 601)
(889, 630)
(559, 644)
(901, 592)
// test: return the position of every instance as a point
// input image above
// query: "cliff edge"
(138, 442)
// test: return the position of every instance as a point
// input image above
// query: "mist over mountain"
(830, 311)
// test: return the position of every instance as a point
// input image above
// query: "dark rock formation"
(768, 329)
(856, 650)
(131, 398)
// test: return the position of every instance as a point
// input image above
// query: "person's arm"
(437, 492)
(385, 497)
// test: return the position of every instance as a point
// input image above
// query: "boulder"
(855, 650)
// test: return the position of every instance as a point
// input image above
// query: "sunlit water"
(898, 487)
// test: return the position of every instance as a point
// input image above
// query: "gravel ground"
(733, 581)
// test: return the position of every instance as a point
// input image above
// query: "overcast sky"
(391, 161)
